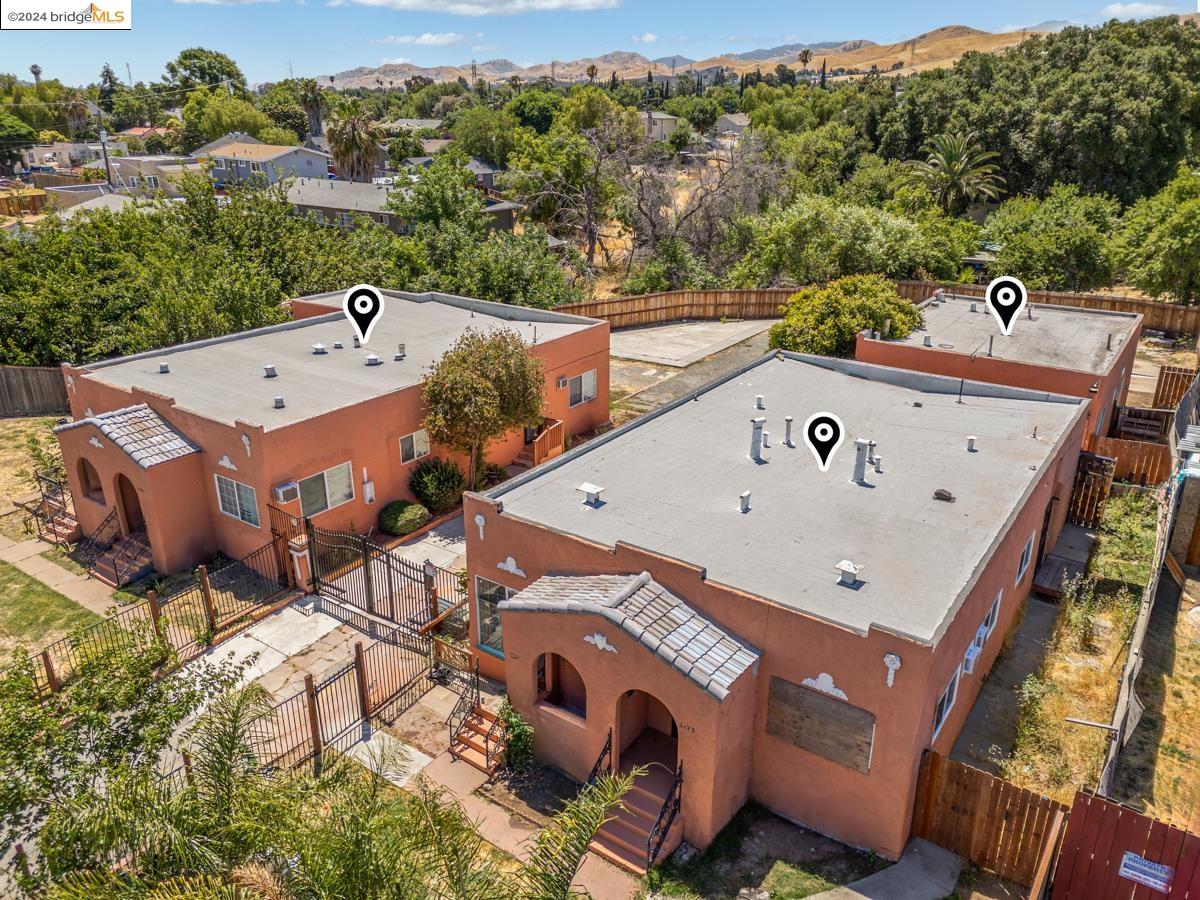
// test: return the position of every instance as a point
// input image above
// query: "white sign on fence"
(1153, 875)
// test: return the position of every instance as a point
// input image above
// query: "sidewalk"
(89, 593)
(924, 872)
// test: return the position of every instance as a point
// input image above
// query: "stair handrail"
(494, 742)
(666, 816)
(93, 545)
(56, 503)
(467, 701)
(131, 549)
(603, 761)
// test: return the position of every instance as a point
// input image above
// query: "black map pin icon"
(1006, 297)
(363, 306)
(823, 434)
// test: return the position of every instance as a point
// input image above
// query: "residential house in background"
(414, 124)
(732, 124)
(142, 132)
(67, 155)
(186, 447)
(660, 125)
(1086, 353)
(233, 137)
(147, 175)
(320, 143)
(693, 593)
(485, 173)
(242, 161)
(336, 202)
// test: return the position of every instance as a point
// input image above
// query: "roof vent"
(745, 501)
(861, 449)
(374, 360)
(319, 348)
(756, 430)
(591, 493)
(787, 433)
(928, 342)
(974, 307)
(848, 572)
(943, 495)
(337, 345)
(400, 353)
(279, 403)
(759, 403)
(269, 372)
(357, 342)
(970, 443)
(164, 368)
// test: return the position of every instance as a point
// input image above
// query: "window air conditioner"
(287, 492)
(562, 382)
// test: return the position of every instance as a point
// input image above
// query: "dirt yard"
(16, 475)
(1152, 354)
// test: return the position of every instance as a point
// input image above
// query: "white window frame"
(1026, 558)
(346, 220)
(942, 713)
(324, 475)
(240, 512)
(242, 163)
(508, 594)
(218, 164)
(419, 439)
(152, 182)
(134, 181)
(989, 621)
(255, 166)
(582, 378)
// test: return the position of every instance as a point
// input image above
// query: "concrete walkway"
(445, 546)
(924, 872)
(89, 593)
(680, 344)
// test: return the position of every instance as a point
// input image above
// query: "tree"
(136, 106)
(288, 115)
(957, 171)
(489, 134)
(825, 320)
(444, 193)
(109, 85)
(404, 144)
(75, 110)
(1059, 243)
(36, 71)
(354, 141)
(804, 57)
(198, 67)
(535, 108)
(1158, 242)
(313, 102)
(592, 71)
(483, 387)
(15, 136)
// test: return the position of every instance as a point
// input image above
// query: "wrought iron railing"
(467, 701)
(132, 558)
(99, 542)
(494, 743)
(666, 816)
(603, 761)
(55, 510)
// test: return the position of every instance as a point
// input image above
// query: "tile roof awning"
(145, 436)
(664, 624)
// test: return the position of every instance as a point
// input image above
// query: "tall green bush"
(438, 483)
(824, 321)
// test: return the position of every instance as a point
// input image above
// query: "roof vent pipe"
(164, 368)
(970, 443)
(745, 501)
(269, 372)
(758, 402)
(319, 349)
(974, 307)
(928, 342)
(357, 342)
(870, 451)
(373, 360)
(1029, 313)
(766, 439)
(337, 345)
(991, 339)
(861, 448)
(279, 403)
(1110, 340)
(787, 432)
(756, 431)
(878, 464)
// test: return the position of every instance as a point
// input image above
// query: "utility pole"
(129, 74)
(104, 150)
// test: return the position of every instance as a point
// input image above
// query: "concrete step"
(618, 854)
(471, 757)
(620, 831)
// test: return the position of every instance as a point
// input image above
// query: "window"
(327, 489)
(237, 500)
(89, 480)
(583, 388)
(133, 181)
(319, 216)
(945, 703)
(218, 165)
(255, 167)
(1026, 556)
(414, 446)
(241, 163)
(989, 621)
(346, 219)
(152, 182)
(488, 596)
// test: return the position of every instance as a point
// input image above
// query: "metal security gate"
(354, 570)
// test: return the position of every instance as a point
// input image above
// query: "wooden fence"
(28, 391)
(764, 303)
(1140, 462)
(1093, 479)
(993, 823)
(1172, 384)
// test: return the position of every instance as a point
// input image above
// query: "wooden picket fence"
(764, 303)
(1140, 462)
(1000, 827)
(32, 391)
(1093, 480)
(1172, 384)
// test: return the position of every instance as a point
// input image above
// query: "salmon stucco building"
(1083, 352)
(184, 449)
(693, 593)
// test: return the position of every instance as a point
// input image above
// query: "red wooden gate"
(1101, 835)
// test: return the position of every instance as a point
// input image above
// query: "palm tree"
(229, 830)
(591, 73)
(76, 112)
(312, 101)
(804, 57)
(354, 140)
(957, 170)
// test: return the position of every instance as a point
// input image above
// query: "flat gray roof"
(1062, 337)
(223, 379)
(337, 194)
(672, 482)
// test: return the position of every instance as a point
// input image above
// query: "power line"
(157, 93)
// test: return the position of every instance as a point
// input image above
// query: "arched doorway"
(647, 732)
(131, 506)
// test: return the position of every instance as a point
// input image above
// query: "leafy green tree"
(488, 134)
(535, 109)
(444, 193)
(957, 170)
(825, 320)
(701, 112)
(283, 137)
(1059, 243)
(135, 106)
(1157, 244)
(109, 85)
(213, 113)
(354, 141)
(404, 144)
(288, 115)
(483, 387)
(313, 103)
(672, 267)
(682, 137)
(198, 67)
(15, 136)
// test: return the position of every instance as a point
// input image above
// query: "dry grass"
(1079, 676)
(16, 471)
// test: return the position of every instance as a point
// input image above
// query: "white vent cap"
(848, 572)
(319, 348)
(164, 368)
(269, 371)
(591, 493)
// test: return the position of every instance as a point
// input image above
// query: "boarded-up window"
(821, 724)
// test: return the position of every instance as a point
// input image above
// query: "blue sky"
(323, 36)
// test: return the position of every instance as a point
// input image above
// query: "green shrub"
(438, 483)
(402, 517)
(518, 752)
(494, 474)
(825, 320)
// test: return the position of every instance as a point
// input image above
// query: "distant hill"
(934, 49)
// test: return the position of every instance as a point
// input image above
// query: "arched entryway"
(647, 734)
(131, 506)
